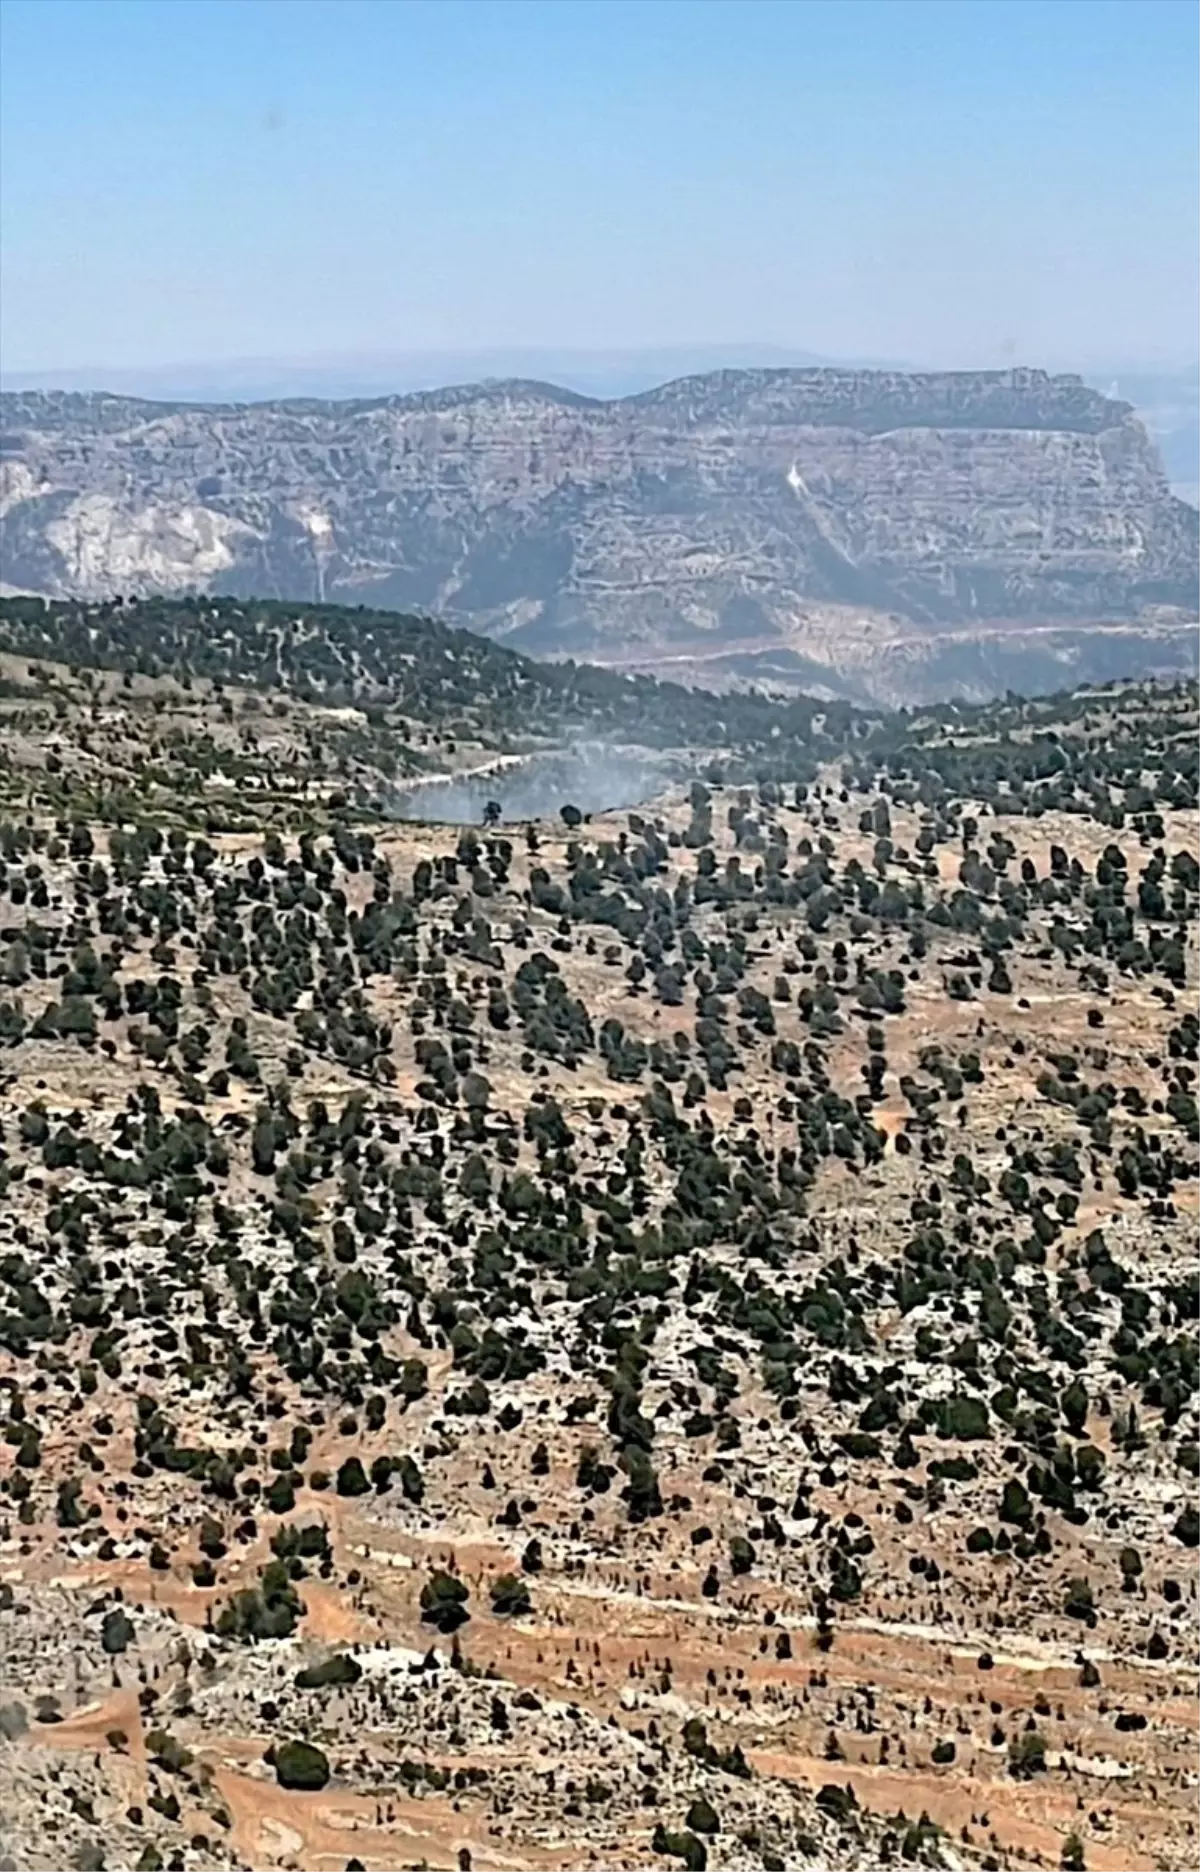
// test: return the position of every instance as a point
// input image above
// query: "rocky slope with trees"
(647, 1340)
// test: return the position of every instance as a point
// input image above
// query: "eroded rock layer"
(835, 513)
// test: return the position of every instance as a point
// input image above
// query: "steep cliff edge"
(830, 514)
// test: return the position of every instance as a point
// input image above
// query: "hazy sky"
(948, 181)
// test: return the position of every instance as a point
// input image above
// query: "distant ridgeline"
(381, 660)
(967, 514)
(632, 729)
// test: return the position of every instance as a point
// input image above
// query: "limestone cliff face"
(720, 511)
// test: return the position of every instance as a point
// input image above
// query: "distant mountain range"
(622, 371)
(873, 533)
(1168, 402)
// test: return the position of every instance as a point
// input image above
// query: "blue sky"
(947, 181)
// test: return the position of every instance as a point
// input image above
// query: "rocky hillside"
(658, 1344)
(890, 535)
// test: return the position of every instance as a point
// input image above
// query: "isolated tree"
(300, 1766)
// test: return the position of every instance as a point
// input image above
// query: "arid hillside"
(653, 1339)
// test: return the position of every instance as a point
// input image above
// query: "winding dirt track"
(588, 1643)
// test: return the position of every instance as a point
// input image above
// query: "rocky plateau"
(873, 535)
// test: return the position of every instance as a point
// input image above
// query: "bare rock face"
(890, 533)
